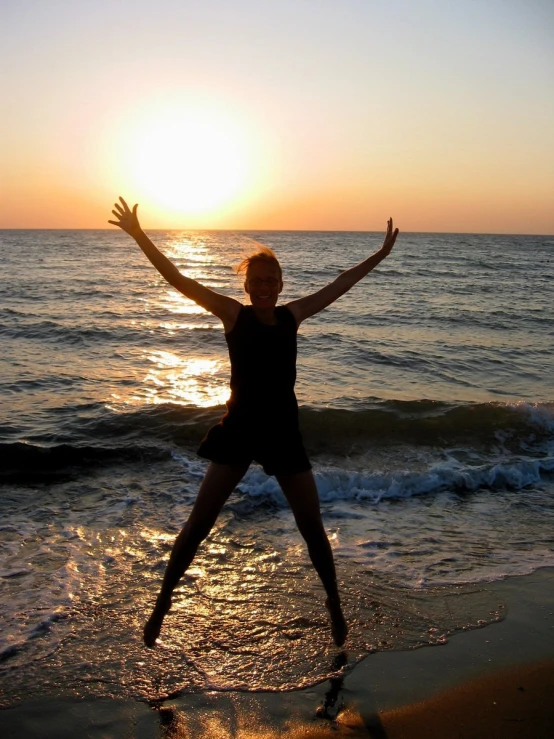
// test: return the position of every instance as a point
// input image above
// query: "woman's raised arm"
(221, 306)
(305, 307)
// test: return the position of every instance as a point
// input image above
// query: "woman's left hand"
(127, 219)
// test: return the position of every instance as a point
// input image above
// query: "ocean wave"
(414, 422)
(23, 463)
(426, 422)
(449, 475)
(51, 331)
(117, 333)
(102, 436)
(339, 485)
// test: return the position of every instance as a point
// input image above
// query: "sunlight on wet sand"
(514, 703)
(180, 725)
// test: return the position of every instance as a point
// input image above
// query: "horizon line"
(284, 230)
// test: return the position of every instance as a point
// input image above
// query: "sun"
(187, 160)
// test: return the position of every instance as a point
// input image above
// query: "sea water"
(426, 405)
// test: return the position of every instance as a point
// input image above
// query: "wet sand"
(497, 681)
(517, 702)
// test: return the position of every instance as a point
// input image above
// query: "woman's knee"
(313, 533)
(195, 530)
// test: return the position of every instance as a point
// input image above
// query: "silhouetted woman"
(261, 423)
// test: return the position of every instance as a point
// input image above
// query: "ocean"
(427, 407)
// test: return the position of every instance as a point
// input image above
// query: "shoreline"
(492, 681)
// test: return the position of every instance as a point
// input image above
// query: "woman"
(261, 422)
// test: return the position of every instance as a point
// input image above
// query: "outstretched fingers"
(127, 219)
(122, 209)
(126, 208)
(390, 236)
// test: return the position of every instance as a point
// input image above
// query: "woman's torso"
(263, 363)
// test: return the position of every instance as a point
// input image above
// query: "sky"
(285, 114)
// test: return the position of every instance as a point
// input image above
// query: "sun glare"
(187, 160)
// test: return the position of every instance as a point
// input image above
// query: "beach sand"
(496, 681)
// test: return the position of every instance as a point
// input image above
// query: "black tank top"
(263, 363)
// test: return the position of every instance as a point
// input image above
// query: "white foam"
(540, 414)
(335, 484)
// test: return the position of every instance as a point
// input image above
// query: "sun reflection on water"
(185, 380)
(174, 302)
(172, 327)
(190, 245)
(194, 257)
(187, 377)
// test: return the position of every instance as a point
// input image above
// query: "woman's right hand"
(127, 219)
(390, 238)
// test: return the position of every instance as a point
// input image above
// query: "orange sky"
(294, 115)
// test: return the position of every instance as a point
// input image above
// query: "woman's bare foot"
(339, 627)
(153, 626)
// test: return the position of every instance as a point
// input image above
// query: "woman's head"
(264, 255)
(263, 277)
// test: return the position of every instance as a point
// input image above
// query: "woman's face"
(263, 283)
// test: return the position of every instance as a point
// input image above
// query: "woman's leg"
(301, 493)
(218, 484)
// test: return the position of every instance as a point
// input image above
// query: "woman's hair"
(263, 254)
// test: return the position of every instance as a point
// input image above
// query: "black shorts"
(278, 449)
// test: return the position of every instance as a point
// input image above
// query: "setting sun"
(187, 160)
